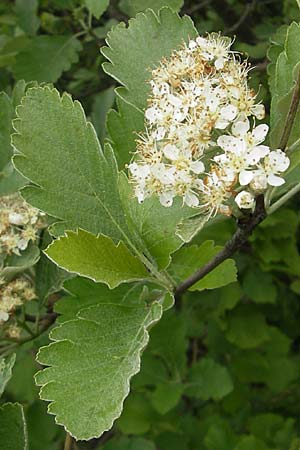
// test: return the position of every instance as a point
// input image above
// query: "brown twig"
(68, 442)
(239, 238)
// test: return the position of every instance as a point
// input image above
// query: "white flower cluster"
(13, 294)
(198, 142)
(19, 224)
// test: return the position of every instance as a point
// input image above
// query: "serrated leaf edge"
(145, 328)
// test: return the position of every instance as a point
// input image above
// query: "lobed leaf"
(59, 152)
(132, 52)
(91, 363)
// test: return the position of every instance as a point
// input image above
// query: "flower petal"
(274, 180)
(245, 177)
(260, 132)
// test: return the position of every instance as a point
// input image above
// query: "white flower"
(242, 151)
(191, 199)
(4, 316)
(16, 218)
(274, 164)
(258, 111)
(166, 198)
(245, 200)
(200, 89)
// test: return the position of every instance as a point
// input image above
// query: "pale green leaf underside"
(135, 50)
(13, 431)
(45, 58)
(60, 153)
(189, 259)
(91, 363)
(97, 258)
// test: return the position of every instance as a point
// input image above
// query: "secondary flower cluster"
(199, 143)
(13, 294)
(19, 224)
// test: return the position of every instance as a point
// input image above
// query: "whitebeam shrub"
(200, 139)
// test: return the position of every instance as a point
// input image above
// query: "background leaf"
(97, 7)
(46, 57)
(187, 260)
(13, 432)
(6, 366)
(209, 379)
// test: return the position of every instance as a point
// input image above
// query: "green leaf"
(78, 184)
(252, 283)
(21, 386)
(132, 7)
(6, 366)
(169, 342)
(128, 443)
(45, 58)
(247, 327)
(84, 293)
(286, 73)
(10, 180)
(208, 380)
(13, 432)
(276, 47)
(132, 56)
(265, 426)
(6, 116)
(102, 102)
(251, 443)
(137, 415)
(187, 229)
(188, 259)
(15, 264)
(46, 432)
(166, 396)
(97, 353)
(155, 223)
(220, 437)
(49, 277)
(97, 258)
(97, 7)
(123, 127)
(27, 16)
